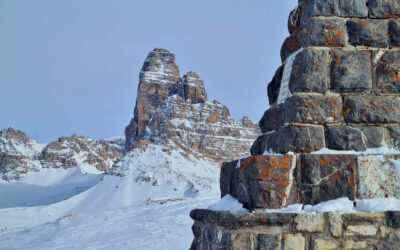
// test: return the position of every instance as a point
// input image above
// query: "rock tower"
(332, 131)
(175, 110)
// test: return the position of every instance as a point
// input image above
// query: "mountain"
(20, 155)
(173, 108)
(142, 185)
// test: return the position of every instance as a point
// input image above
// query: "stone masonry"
(332, 131)
(318, 231)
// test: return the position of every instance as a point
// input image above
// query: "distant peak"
(191, 74)
(11, 133)
(161, 50)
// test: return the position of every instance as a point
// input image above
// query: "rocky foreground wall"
(322, 231)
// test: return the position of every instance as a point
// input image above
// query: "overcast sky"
(72, 66)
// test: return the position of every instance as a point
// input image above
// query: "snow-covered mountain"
(173, 108)
(20, 155)
(169, 165)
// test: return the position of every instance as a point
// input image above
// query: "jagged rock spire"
(174, 108)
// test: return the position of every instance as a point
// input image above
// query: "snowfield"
(143, 204)
(143, 226)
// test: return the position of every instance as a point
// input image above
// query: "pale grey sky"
(72, 66)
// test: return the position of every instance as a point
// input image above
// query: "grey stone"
(373, 136)
(335, 224)
(274, 86)
(371, 109)
(354, 138)
(377, 177)
(351, 71)
(391, 242)
(294, 20)
(310, 222)
(320, 7)
(303, 108)
(394, 137)
(266, 241)
(312, 109)
(384, 8)
(294, 242)
(309, 72)
(345, 138)
(231, 220)
(345, 8)
(261, 144)
(325, 244)
(326, 177)
(361, 230)
(272, 119)
(353, 8)
(323, 32)
(393, 219)
(388, 73)
(290, 45)
(373, 33)
(298, 139)
(229, 178)
(394, 33)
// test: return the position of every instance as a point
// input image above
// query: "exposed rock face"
(172, 108)
(17, 142)
(19, 154)
(73, 151)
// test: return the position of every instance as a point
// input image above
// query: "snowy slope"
(144, 226)
(148, 174)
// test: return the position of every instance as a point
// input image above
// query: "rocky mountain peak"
(173, 108)
(159, 66)
(14, 141)
(16, 135)
(19, 154)
(75, 150)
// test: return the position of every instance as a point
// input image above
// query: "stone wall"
(340, 79)
(319, 231)
(276, 181)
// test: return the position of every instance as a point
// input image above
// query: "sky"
(72, 66)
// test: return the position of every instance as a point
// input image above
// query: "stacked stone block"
(342, 66)
(270, 231)
(338, 89)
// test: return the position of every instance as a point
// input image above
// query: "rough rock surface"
(69, 152)
(260, 230)
(172, 108)
(20, 155)
(260, 181)
(337, 91)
